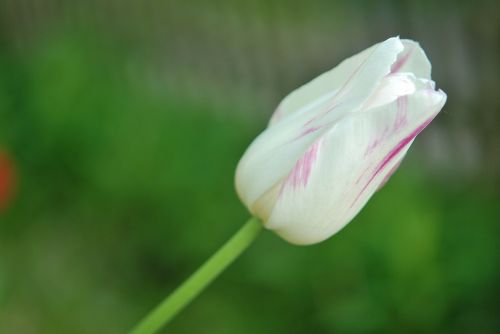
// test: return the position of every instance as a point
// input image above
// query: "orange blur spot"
(7, 180)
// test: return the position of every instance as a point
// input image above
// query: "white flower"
(334, 141)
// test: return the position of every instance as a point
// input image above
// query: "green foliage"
(122, 193)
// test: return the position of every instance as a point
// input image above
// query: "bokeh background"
(121, 123)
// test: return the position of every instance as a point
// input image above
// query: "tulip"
(328, 147)
(333, 142)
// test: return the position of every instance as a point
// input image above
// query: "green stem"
(201, 278)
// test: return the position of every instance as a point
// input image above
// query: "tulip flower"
(334, 141)
(328, 147)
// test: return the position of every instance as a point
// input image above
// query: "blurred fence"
(272, 43)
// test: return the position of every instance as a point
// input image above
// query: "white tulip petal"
(342, 169)
(355, 74)
(413, 60)
(390, 88)
(336, 140)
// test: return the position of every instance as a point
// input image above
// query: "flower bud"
(333, 142)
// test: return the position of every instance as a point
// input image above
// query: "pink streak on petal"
(310, 130)
(389, 174)
(376, 142)
(400, 62)
(402, 144)
(399, 147)
(299, 176)
(399, 123)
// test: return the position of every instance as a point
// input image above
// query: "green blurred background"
(123, 122)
